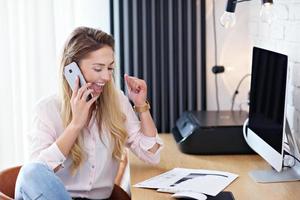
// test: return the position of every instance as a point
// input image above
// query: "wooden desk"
(243, 188)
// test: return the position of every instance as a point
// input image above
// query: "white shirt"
(95, 178)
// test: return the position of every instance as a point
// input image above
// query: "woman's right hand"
(80, 107)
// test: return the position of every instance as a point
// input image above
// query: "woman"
(77, 142)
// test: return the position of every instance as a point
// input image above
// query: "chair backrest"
(8, 179)
(119, 194)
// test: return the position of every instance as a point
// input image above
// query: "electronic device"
(71, 72)
(224, 195)
(267, 126)
(211, 132)
(190, 195)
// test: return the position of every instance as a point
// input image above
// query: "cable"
(217, 92)
(216, 54)
(237, 90)
(215, 33)
(289, 164)
(287, 153)
(245, 130)
(241, 105)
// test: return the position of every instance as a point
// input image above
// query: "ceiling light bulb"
(228, 19)
(266, 12)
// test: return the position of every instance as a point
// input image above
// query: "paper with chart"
(209, 182)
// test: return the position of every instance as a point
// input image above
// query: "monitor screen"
(267, 96)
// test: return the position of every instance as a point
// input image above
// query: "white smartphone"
(71, 72)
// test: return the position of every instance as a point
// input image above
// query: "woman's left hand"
(137, 90)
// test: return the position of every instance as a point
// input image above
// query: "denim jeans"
(37, 181)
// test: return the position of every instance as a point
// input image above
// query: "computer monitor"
(266, 128)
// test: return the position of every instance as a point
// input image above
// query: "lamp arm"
(264, 1)
(239, 1)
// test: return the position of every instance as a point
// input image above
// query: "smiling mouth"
(98, 87)
(100, 84)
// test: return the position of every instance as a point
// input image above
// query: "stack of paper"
(180, 180)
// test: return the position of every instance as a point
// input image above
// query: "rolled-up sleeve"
(139, 143)
(42, 137)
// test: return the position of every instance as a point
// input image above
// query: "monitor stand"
(287, 174)
(272, 176)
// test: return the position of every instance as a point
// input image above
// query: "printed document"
(209, 182)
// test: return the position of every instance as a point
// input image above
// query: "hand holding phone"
(81, 99)
(71, 72)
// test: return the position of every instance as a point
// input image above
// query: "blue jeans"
(37, 181)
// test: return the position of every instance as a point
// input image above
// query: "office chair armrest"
(4, 197)
(8, 179)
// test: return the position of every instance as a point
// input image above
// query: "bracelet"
(142, 108)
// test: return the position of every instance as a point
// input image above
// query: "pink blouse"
(95, 177)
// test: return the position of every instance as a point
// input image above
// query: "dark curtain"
(163, 42)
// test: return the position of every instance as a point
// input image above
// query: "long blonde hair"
(81, 42)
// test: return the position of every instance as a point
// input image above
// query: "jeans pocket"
(33, 196)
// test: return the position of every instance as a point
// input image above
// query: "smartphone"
(224, 195)
(71, 72)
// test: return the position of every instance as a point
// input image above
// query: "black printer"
(211, 132)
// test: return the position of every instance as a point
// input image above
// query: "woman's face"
(97, 68)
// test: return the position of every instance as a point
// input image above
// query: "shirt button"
(93, 166)
(90, 183)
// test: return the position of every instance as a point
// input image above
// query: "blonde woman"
(78, 142)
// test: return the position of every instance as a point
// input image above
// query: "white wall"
(283, 36)
(234, 52)
(73, 13)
